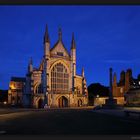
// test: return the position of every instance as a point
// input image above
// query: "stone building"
(125, 84)
(121, 87)
(55, 82)
(132, 97)
(16, 89)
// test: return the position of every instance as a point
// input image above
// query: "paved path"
(113, 112)
(119, 112)
(13, 110)
(66, 121)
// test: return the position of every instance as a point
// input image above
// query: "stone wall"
(101, 100)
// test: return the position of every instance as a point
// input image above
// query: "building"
(55, 82)
(125, 85)
(112, 100)
(16, 89)
(126, 91)
(121, 87)
(132, 97)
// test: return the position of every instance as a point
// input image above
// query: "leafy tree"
(3, 95)
(95, 89)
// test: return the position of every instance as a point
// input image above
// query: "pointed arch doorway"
(40, 103)
(63, 102)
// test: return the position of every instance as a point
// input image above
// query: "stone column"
(110, 89)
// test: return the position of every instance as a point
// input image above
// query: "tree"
(96, 89)
(3, 95)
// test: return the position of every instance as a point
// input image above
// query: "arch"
(40, 103)
(66, 96)
(60, 61)
(40, 88)
(37, 87)
(63, 102)
(80, 102)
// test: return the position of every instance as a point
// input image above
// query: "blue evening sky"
(106, 36)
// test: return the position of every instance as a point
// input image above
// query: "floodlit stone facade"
(16, 89)
(126, 85)
(55, 82)
(132, 97)
(121, 87)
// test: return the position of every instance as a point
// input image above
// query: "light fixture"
(97, 96)
(4, 102)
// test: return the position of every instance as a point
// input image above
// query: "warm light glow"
(97, 96)
(121, 90)
(12, 86)
(5, 102)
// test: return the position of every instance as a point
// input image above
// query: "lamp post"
(110, 103)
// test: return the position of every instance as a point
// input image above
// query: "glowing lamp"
(5, 102)
(97, 96)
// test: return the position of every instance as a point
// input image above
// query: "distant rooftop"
(18, 79)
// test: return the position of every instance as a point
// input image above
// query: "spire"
(31, 61)
(115, 77)
(110, 83)
(46, 36)
(30, 66)
(83, 73)
(114, 74)
(59, 34)
(73, 46)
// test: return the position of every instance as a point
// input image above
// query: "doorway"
(63, 102)
(40, 103)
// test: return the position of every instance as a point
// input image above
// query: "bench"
(128, 112)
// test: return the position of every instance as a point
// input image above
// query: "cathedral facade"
(55, 82)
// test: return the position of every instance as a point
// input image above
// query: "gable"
(59, 50)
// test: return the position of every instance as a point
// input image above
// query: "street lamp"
(97, 96)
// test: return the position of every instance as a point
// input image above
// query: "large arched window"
(59, 78)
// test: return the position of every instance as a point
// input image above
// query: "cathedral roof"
(59, 43)
(56, 44)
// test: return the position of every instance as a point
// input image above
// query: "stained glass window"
(59, 78)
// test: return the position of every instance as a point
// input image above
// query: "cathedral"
(54, 83)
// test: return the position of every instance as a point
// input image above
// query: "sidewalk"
(13, 110)
(119, 112)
